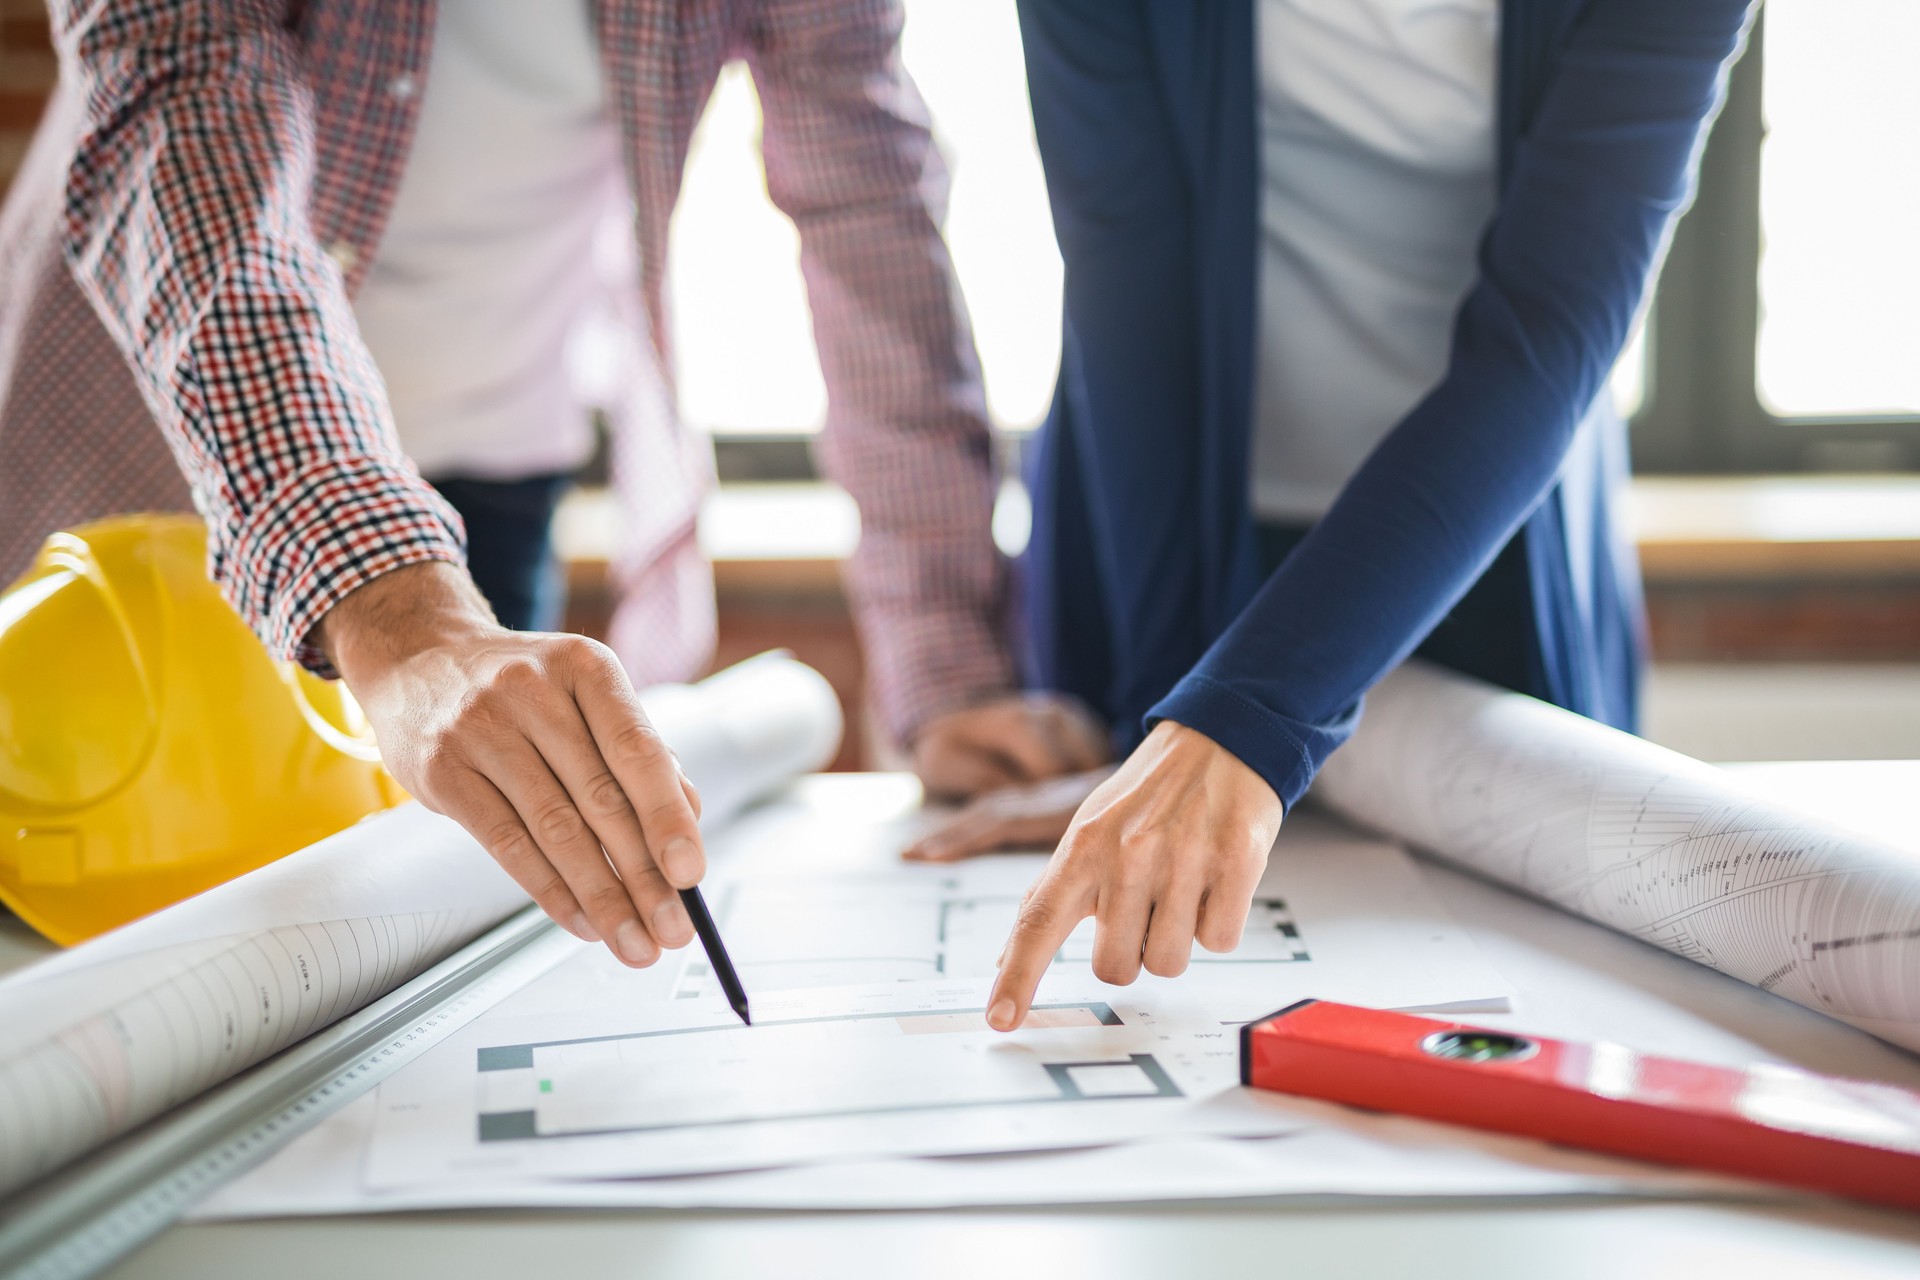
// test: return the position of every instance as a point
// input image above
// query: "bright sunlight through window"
(743, 339)
(1839, 208)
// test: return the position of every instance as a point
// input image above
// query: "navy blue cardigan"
(1143, 593)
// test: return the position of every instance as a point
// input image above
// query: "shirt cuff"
(327, 531)
(926, 664)
(1287, 753)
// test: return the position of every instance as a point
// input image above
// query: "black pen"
(716, 951)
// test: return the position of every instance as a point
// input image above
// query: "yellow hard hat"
(149, 746)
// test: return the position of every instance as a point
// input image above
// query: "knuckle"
(663, 811)
(549, 889)
(1039, 915)
(559, 824)
(648, 889)
(637, 745)
(604, 795)
(479, 716)
(581, 653)
(1113, 970)
(508, 840)
(609, 899)
(1219, 938)
(435, 756)
(1075, 857)
(519, 677)
(1169, 961)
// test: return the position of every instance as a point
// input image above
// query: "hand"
(1019, 738)
(1032, 817)
(535, 744)
(1165, 852)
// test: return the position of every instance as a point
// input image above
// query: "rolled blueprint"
(1639, 838)
(109, 1034)
(747, 730)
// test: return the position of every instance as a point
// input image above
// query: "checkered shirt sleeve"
(187, 228)
(851, 159)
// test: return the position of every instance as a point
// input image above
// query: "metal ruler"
(96, 1212)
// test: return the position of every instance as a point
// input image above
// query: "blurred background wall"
(26, 76)
(1774, 388)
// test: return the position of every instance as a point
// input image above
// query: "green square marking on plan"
(546, 1086)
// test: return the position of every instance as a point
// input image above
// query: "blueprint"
(1642, 839)
(824, 1074)
(869, 983)
(120, 1028)
(1338, 915)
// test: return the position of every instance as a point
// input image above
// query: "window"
(1785, 335)
(1786, 332)
(729, 243)
(1839, 272)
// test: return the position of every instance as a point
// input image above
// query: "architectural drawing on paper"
(686, 1077)
(835, 931)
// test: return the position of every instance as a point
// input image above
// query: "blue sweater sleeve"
(1591, 192)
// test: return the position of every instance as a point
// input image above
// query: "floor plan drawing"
(835, 931)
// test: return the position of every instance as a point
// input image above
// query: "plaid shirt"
(209, 189)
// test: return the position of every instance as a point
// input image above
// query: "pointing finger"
(1044, 923)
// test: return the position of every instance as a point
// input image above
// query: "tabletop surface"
(1549, 957)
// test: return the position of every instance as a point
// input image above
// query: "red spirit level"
(1845, 1137)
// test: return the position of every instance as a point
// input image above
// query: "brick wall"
(26, 77)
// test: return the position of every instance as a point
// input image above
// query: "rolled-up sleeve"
(851, 159)
(187, 229)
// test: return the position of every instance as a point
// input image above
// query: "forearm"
(1596, 184)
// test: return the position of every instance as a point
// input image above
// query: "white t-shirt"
(485, 270)
(1378, 163)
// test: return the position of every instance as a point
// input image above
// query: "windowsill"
(793, 537)
(1777, 528)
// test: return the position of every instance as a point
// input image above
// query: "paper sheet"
(1336, 1153)
(1337, 915)
(1572, 979)
(1641, 839)
(810, 889)
(120, 1028)
(823, 1074)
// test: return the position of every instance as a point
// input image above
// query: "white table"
(1553, 960)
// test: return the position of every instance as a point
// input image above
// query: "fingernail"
(583, 930)
(670, 921)
(635, 947)
(1000, 1017)
(678, 859)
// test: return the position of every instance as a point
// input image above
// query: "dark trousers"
(510, 545)
(1480, 636)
